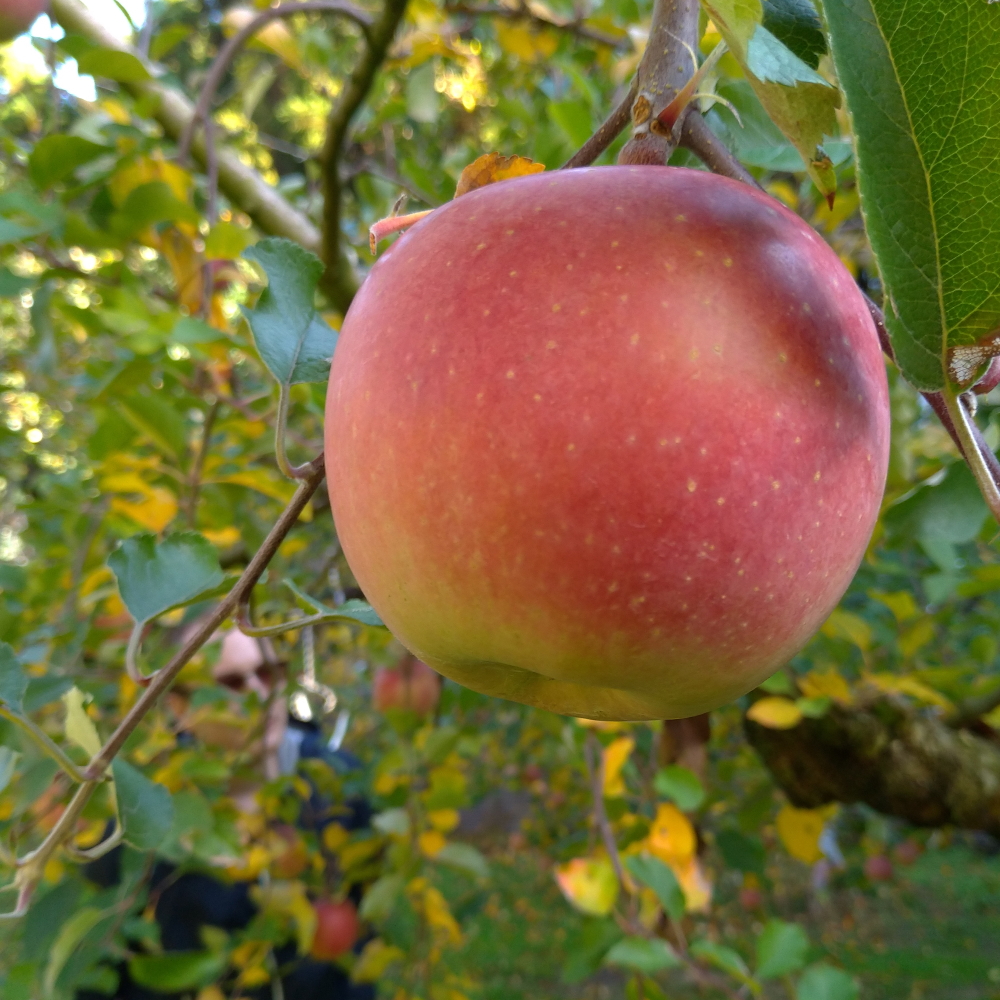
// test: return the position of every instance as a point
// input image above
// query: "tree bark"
(898, 759)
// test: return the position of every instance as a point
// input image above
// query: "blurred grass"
(931, 934)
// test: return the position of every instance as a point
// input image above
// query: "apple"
(17, 16)
(609, 441)
(337, 928)
(751, 898)
(878, 868)
(410, 686)
(907, 853)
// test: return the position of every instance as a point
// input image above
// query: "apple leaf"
(654, 874)
(798, 100)
(824, 982)
(154, 577)
(354, 610)
(796, 24)
(680, 785)
(113, 64)
(775, 712)
(492, 167)
(13, 679)
(643, 955)
(293, 340)
(145, 808)
(721, 957)
(781, 948)
(55, 157)
(921, 83)
(79, 727)
(178, 970)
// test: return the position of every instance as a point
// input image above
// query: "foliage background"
(132, 399)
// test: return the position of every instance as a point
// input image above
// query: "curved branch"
(340, 281)
(606, 134)
(524, 13)
(242, 185)
(698, 137)
(232, 47)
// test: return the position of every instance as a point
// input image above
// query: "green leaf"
(227, 241)
(380, 900)
(652, 872)
(824, 982)
(680, 785)
(177, 971)
(113, 64)
(423, 102)
(465, 857)
(392, 822)
(771, 61)
(574, 118)
(145, 808)
(796, 24)
(354, 610)
(13, 679)
(781, 948)
(148, 205)
(293, 340)
(642, 954)
(79, 727)
(8, 765)
(158, 420)
(155, 577)
(745, 854)
(921, 85)
(55, 157)
(721, 957)
(167, 39)
(70, 935)
(736, 18)
(587, 947)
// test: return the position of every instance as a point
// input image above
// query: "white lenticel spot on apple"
(692, 486)
(727, 262)
(556, 307)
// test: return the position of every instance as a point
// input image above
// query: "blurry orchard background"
(132, 401)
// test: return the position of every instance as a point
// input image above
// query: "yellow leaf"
(274, 36)
(492, 167)
(146, 170)
(334, 837)
(899, 602)
(444, 820)
(916, 636)
(431, 842)
(357, 852)
(262, 480)
(289, 900)
(80, 729)
(671, 837)
(436, 910)
(615, 756)
(223, 538)
(211, 993)
(373, 961)
(828, 683)
(893, 684)
(527, 43)
(695, 885)
(155, 512)
(775, 713)
(800, 830)
(590, 884)
(846, 625)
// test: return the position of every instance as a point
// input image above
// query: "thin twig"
(606, 134)
(595, 769)
(524, 13)
(340, 281)
(202, 110)
(697, 136)
(198, 465)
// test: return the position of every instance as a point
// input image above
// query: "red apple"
(16, 16)
(907, 853)
(411, 686)
(337, 928)
(609, 441)
(878, 868)
(751, 898)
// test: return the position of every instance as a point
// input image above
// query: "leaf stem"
(972, 446)
(44, 743)
(280, 430)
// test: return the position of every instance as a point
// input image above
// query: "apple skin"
(878, 868)
(17, 16)
(610, 441)
(409, 686)
(337, 928)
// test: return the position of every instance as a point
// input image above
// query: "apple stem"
(972, 445)
(280, 427)
(393, 224)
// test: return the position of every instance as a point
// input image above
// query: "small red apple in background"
(337, 928)
(16, 16)
(907, 853)
(878, 868)
(409, 686)
(609, 441)
(751, 898)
